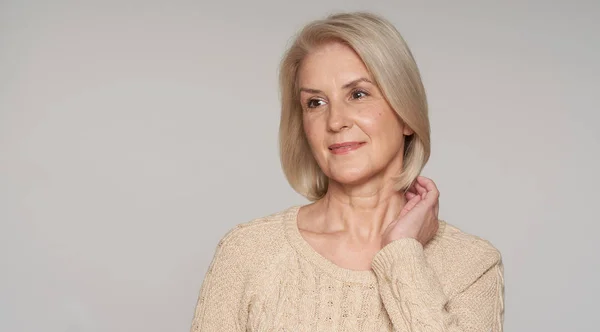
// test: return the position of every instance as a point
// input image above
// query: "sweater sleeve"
(220, 305)
(415, 300)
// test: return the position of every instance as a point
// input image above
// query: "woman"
(369, 254)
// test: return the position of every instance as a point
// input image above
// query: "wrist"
(389, 240)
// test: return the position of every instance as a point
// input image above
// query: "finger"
(429, 186)
(410, 205)
(412, 191)
(410, 195)
(426, 183)
(412, 188)
(412, 202)
(419, 188)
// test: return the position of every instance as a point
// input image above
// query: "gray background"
(133, 135)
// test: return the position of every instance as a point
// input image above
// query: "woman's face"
(354, 134)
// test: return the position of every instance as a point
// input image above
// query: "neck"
(362, 213)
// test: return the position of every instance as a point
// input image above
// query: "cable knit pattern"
(265, 277)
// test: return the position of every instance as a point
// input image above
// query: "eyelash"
(308, 103)
(366, 94)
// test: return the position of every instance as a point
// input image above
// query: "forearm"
(415, 300)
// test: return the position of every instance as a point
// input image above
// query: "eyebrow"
(355, 82)
(348, 85)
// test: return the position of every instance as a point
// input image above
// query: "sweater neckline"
(298, 242)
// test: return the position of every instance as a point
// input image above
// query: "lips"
(345, 147)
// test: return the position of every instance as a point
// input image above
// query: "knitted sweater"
(265, 277)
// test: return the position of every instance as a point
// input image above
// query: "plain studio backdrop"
(134, 135)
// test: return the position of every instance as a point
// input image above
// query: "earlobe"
(406, 130)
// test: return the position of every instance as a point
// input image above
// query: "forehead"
(332, 61)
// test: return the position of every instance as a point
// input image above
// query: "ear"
(406, 131)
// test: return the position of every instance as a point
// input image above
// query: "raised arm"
(415, 300)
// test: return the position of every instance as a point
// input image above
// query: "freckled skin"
(359, 113)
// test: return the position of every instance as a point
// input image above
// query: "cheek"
(381, 124)
(307, 130)
(372, 122)
(310, 132)
(306, 126)
(388, 119)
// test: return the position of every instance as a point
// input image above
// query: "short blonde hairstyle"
(389, 60)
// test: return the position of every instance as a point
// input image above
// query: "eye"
(359, 94)
(314, 103)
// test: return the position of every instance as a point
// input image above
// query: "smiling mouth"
(342, 148)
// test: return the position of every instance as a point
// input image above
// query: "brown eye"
(359, 94)
(313, 103)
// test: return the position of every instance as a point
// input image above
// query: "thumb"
(410, 205)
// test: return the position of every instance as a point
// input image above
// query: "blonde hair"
(387, 57)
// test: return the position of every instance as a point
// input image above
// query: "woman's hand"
(419, 217)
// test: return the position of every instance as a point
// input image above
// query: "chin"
(350, 176)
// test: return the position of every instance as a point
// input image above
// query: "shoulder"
(461, 243)
(256, 230)
(460, 258)
(255, 241)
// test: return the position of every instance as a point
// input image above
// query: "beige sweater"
(265, 277)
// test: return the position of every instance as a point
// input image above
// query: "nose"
(338, 118)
